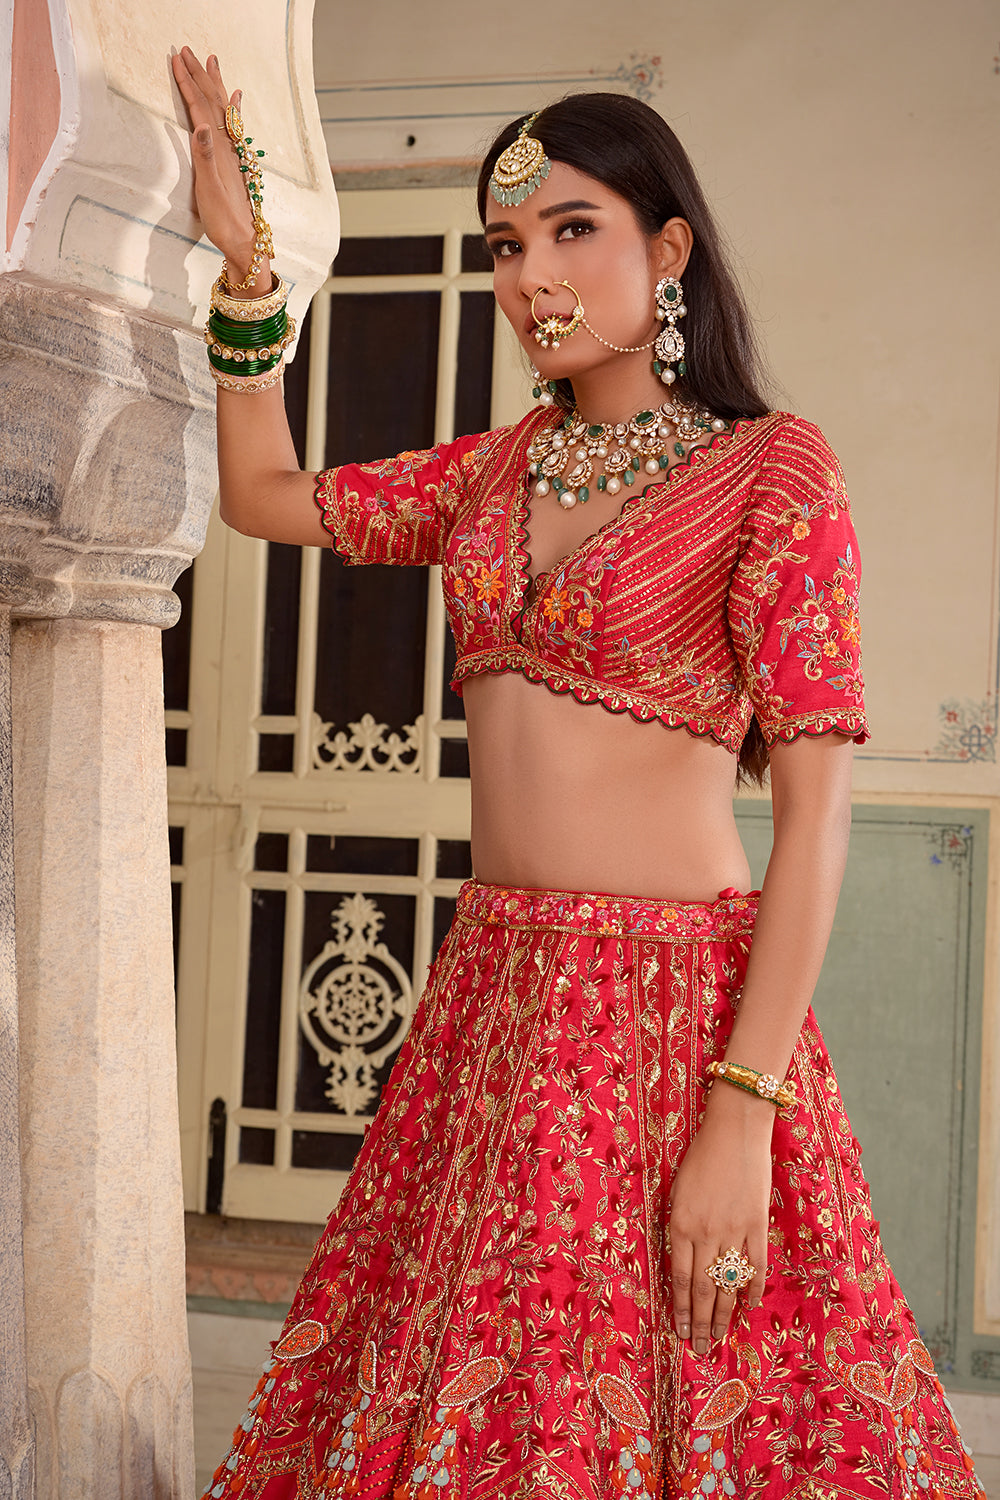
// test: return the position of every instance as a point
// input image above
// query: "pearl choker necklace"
(564, 458)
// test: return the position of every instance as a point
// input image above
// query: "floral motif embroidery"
(491, 1286)
(728, 588)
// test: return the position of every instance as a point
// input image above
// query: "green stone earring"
(669, 345)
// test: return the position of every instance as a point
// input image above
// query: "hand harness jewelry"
(564, 458)
(520, 169)
(253, 180)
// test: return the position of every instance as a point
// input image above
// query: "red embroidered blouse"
(729, 588)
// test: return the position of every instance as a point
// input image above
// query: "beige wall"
(851, 151)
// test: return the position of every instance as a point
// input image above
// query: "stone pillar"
(110, 1374)
(16, 1444)
(107, 476)
(106, 479)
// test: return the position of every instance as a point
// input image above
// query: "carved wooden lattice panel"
(323, 793)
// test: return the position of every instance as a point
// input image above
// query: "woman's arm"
(721, 1194)
(263, 492)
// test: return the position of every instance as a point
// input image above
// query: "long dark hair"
(632, 150)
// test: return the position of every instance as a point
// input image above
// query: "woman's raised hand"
(220, 191)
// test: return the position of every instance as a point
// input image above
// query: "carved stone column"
(16, 1442)
(106, 479)
(107, 476)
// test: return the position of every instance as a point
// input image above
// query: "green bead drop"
(679, 449)
(602, 483)
(657, 367)
(682, 368)
(629, 476)
(536, 391)
(664, 461)
(583, 495)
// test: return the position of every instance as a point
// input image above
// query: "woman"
(591, 1245)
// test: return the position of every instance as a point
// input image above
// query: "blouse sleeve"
(396, 510)
(793, 600)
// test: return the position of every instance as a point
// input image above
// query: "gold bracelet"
(250, 309)
(764, 1085)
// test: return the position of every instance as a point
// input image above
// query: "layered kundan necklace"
(565, 458)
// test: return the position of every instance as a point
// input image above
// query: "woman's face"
(573, 228)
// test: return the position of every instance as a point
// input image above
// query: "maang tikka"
(521, 168)
(669, 345)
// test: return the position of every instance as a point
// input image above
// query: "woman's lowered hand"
(720, 1199)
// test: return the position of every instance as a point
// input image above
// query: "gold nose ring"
(552, 329)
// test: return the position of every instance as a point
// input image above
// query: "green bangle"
(244, 335)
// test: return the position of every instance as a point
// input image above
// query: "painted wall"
(851, 152)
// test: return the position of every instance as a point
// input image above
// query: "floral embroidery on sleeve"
(793, 607)
(397, 510)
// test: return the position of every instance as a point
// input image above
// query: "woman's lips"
(530, 323)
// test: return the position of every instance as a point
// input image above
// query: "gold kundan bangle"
(764, 1085)
(250, 309)
(250, 385)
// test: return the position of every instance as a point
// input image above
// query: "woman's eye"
(501, 248)
(574, 230)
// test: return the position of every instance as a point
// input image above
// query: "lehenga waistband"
(731, 915)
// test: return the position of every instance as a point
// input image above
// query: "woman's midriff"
(568, 796)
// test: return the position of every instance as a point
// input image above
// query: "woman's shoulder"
(796, 457)
(789, 434)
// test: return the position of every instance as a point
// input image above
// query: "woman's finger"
(215, 73)
(722, 1315)
(201, 110)
(681, 1264)
(703, 1291)
(757, 1253)
(203, 80)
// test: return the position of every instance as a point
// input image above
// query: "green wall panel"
(900, 1005)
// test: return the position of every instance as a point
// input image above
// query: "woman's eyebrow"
(565, 208)
(545, 213)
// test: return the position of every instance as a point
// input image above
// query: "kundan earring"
(669, 345)
(544, 391)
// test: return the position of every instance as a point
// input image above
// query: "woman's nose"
(533, 277)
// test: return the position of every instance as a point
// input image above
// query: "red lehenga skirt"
(487, 1314)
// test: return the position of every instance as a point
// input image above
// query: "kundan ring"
(553, 328)
(234, 124)
(731, 1271)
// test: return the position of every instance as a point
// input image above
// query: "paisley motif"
(520, 1349)
(303, 1340)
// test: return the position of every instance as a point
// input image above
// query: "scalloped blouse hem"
(645, 711)
(326, 500)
